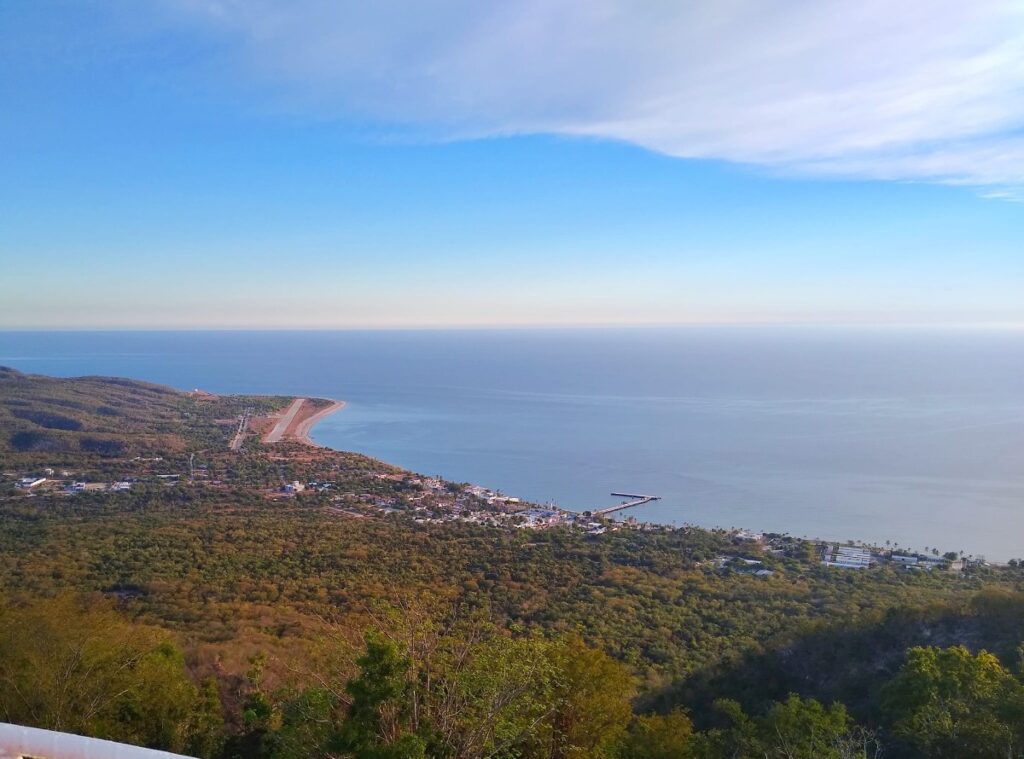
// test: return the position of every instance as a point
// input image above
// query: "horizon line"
(991, 325)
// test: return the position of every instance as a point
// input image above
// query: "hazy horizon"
(552, 327)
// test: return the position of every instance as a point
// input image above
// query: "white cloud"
(911, 90)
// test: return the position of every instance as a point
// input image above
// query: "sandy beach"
(303, 427)
(297, 421)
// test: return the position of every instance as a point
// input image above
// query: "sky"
(335, 164)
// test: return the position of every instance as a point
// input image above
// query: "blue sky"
(181, 163)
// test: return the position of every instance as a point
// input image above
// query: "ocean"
(908, 435)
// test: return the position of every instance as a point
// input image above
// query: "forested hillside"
(203, 609)
(108, 416)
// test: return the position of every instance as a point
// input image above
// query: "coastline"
(299, 431)
(295, 422)
(949, 497)
(305, 427)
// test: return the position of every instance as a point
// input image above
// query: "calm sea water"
(915, 436)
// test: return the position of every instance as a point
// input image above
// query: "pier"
(635, 499)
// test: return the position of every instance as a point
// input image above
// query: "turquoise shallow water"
(909, 435)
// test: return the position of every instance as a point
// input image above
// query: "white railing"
(17, 742)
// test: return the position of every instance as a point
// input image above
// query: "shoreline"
(302, 430)
(299, 430)
(305, 427)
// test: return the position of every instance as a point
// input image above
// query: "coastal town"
(309, 475)
(434, 500)
(512, 380)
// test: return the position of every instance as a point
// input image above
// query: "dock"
(634, 499)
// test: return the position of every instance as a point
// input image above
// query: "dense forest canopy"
(202, 609)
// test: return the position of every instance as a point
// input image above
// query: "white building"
(899, 558)
(539, 517)
(847, 557)
(748, 535)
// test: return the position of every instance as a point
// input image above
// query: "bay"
(908, 435)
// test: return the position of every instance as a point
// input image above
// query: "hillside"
(90, 415)
(282, 556)
(109, 417)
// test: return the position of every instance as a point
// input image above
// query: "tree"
(82, 668)
(495, 697)
(792, 729)
(805, 729)
(949, 703)
(206, 727)
(309, 724)
(657, 736)
(378, 722)
(739, 740)
(590, 704)
(261, 717)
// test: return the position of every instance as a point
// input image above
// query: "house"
(898, 558)
(747, 535)
(494, 499)
(27, 483)
(539, 517)
(846, 557)
(294, 487)
(82, 487)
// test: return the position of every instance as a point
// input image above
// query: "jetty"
(633, 499)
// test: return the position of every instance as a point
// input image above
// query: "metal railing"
(17, 742)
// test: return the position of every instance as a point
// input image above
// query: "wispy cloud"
(929, 90)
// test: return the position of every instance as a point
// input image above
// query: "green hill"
(109, 417)
(265, 600)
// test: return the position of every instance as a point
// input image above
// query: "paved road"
(304, 428)
(284, 422)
